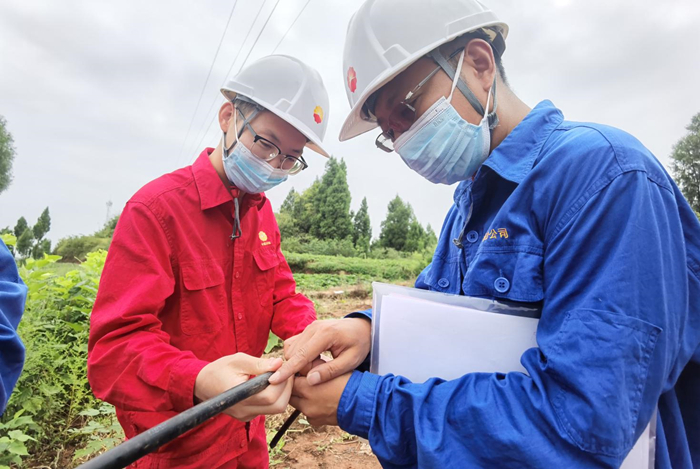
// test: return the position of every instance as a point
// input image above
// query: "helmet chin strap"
(440, 59)
(237, 134)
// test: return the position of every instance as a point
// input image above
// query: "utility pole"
(109, 210)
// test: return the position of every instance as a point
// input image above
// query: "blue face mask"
(441, 146)
(248, 172)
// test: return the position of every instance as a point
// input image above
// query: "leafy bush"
(52, 401)
(378, 252)
(9, 239)
(315, 282)
(394, 269)
(309, 245)
(77, 247)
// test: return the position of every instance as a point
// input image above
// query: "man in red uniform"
(195, 279)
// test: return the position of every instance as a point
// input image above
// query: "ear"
(226, 116)
(478, 55)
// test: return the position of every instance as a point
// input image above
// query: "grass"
(387, 269)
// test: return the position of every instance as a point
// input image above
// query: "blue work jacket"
(582, 221)
(13, 294)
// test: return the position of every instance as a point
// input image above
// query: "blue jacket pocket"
(509, 273)
(599, 362)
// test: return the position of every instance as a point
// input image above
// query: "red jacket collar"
(212, 190)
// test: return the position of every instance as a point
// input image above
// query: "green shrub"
(77, 247)
(52, 401)
(305, 244)
(315, 282)
(393, 269)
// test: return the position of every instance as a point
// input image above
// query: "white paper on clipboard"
(420, 334)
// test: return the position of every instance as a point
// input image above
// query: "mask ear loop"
(488, 103)
(456, 78)
(224, 150)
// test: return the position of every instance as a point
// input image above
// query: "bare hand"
(347, 339)
(319, 403)
(227, 372)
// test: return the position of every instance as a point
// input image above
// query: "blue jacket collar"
(514, 157)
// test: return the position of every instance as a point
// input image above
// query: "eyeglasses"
(403, 116)
(267, 151)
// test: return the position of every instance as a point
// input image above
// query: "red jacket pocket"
(203, 297)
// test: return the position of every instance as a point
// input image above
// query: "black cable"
(150, 440)
(283, 429)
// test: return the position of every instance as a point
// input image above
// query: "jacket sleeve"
(131, 362)
(292, 311)
(13, 294)
(608, 336)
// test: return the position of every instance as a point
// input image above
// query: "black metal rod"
(283, 429)
(150, 440)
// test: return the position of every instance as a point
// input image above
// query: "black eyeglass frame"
(259, 138)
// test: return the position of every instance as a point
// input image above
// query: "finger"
(246, 364)
(278, 406)
(287, 393)
(332, 369)
(265, 398)
(300, 387)
(297, 403)
(319, 361)
(289, 344)
(304, 354)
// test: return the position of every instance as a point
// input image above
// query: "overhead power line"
(240, 49)
(291, 26)
(250, 51)
(204, 86)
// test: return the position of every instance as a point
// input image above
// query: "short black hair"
(487, 35)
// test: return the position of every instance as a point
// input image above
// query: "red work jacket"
(177, 293)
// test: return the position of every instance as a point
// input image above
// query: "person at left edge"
(195, 280)
(13, 294)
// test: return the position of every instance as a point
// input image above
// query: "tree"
(25, 243)
(416, 237)
(306, 215)
(290, 202)
(686, 163)
(333, 203)
(362, 228)
(42, 225)
(286, 217)
(20, 227)
(107, 230)
(40, 248)
(396, 225)
(7, 155)
(430, 237)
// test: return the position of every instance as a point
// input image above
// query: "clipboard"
(421, 334)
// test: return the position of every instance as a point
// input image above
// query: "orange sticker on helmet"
(318, 114)
(352, 80)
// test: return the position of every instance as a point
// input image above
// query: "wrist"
(199, 392)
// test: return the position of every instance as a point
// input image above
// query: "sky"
(103, 97)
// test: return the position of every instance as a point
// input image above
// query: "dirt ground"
(325, 447)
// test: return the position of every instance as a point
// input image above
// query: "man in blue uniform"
(579, 219)
(13, 294)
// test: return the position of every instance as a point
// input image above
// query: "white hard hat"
(288, 88)
(386, 36)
